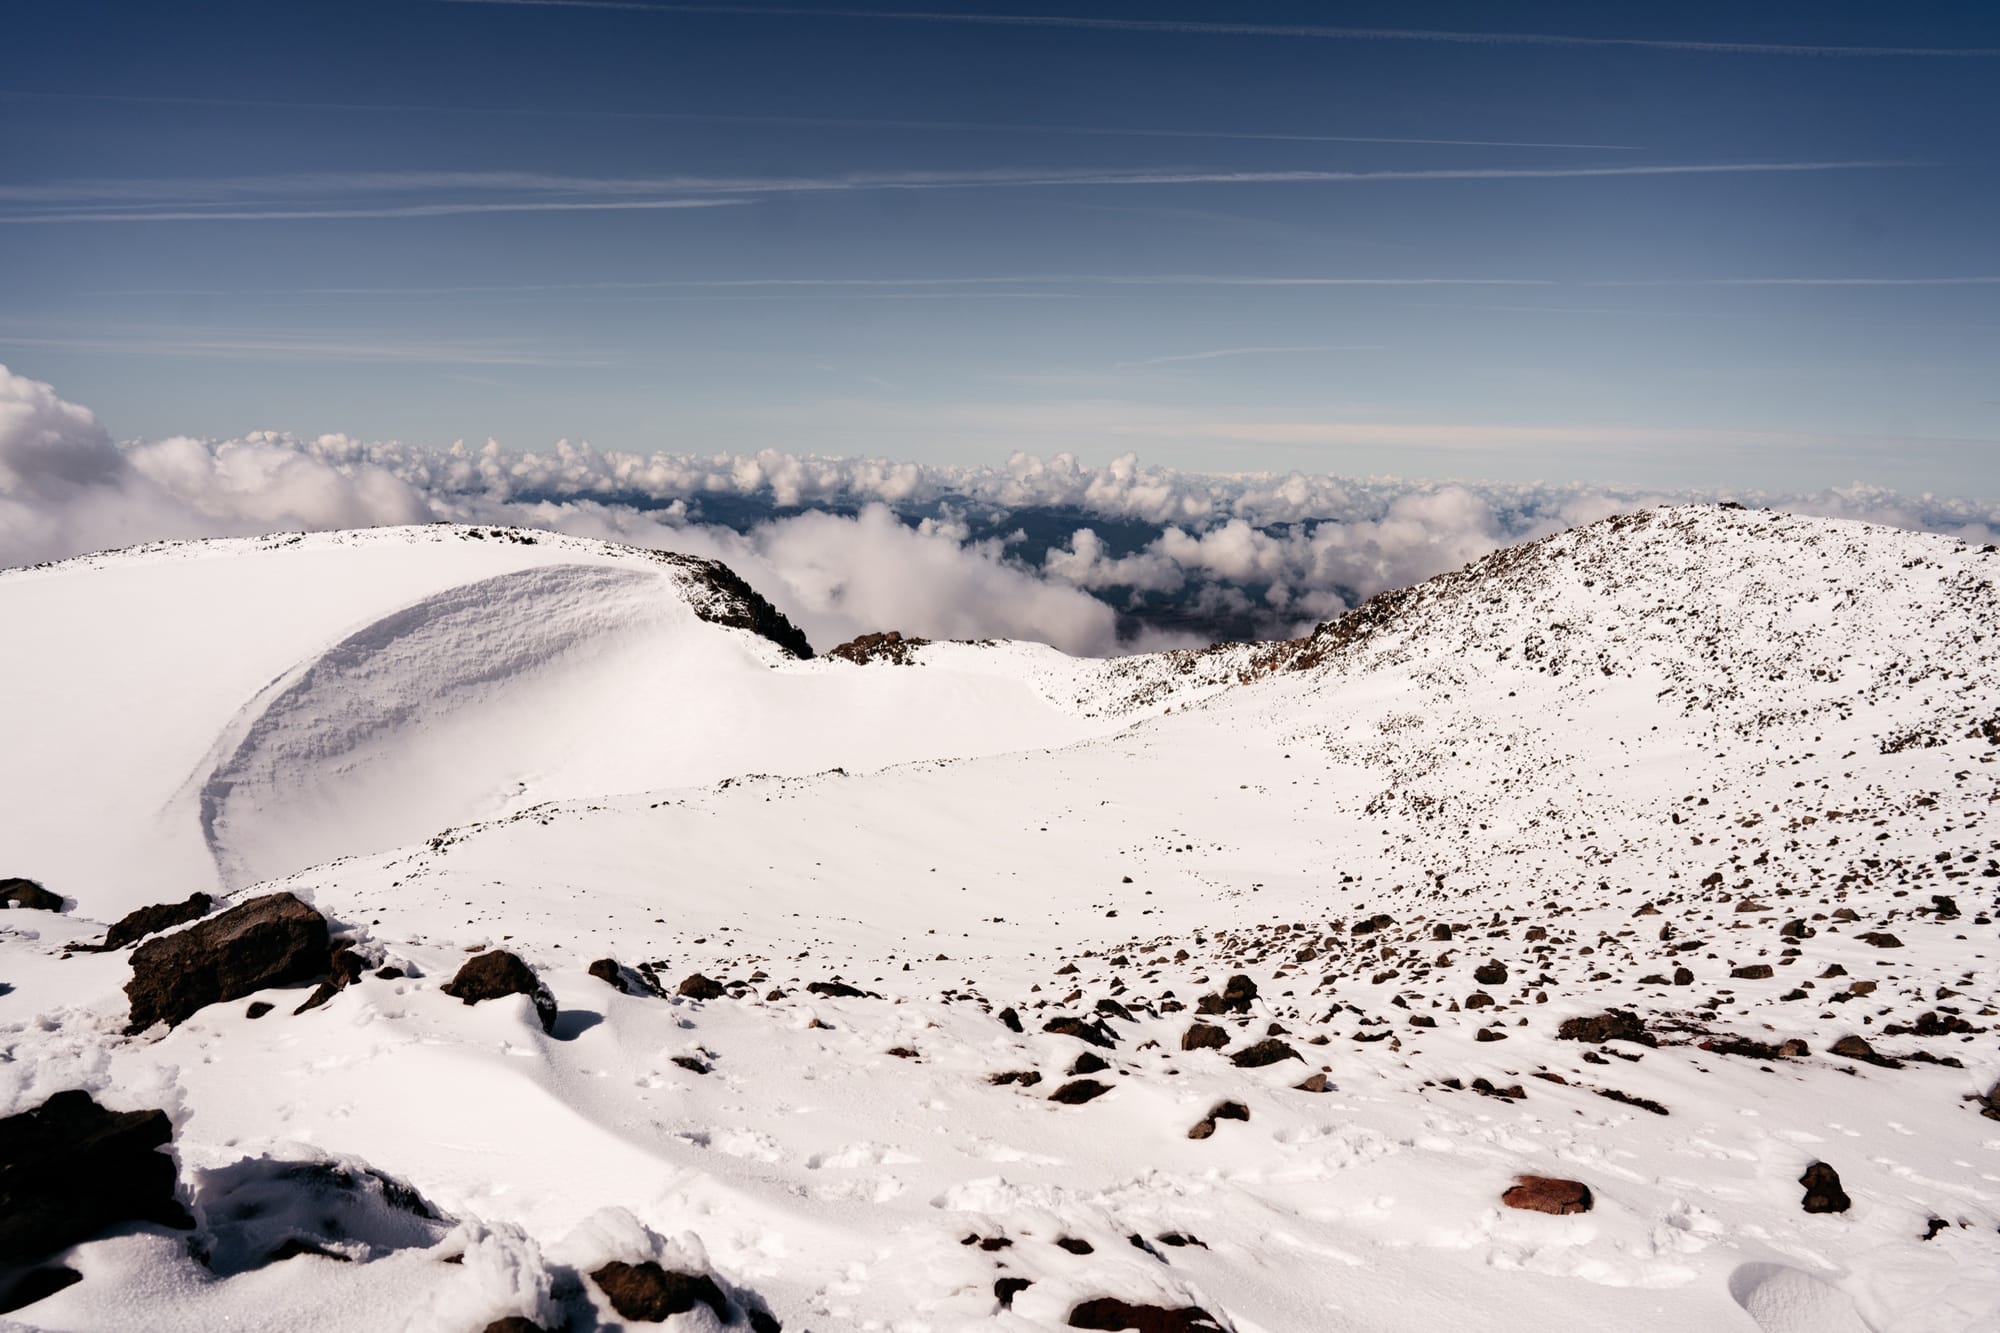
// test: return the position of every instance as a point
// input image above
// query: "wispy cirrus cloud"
(235, 199)
(1294, 30)
(1980, 280)
(804, 122)
(1224, 353)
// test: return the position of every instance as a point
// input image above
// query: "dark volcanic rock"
(699, 987)
(836, 990)
(1007, 1288)
(1752, 972)
(1079, 1091)
(1492, 974)
(514, 1323)
(1611, 1025)
(1823, 1191)
(1223, 1111)
(652, 1294)
(1204, 1037)
(1235, 998)
(1267, 1052)
(275, 940)
(1881, 939)
(1547, 1194)
(607, 971)
(136, 926)
(27, 893)
(490, 975)
(37, 1284)
(1854, 1048)
(1106, 1312)
(1009, 1019)
(69, 1168)
(343, 969)
(1097, 1034)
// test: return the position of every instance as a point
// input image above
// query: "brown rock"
(69, 1168)
(1548, 1194)
(1106, 1312)
(490, 975)
(1611, 1025)
(1204, 1037)
(699, 987)
(651, 1294)
(275, 940)
(1823, 1191)
(1267, 1052)
(1079, 1091)
(1235, 998)
(26, 893)
(135, 926)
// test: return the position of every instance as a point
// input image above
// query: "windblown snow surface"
(1607, 770)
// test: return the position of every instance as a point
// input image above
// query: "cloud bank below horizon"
(1090, 559)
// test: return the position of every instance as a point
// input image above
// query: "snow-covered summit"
(1655, 857)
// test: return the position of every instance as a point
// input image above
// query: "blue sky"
(1680, 245)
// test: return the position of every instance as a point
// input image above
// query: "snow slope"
(1702, 739)
(216, 713)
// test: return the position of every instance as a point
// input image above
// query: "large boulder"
(496, 973)
(275, 940)
(70, 1168)
(136, 926)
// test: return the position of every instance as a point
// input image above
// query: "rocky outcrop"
(275, 940)
(18, 892)
(723, 598)
(889, 646)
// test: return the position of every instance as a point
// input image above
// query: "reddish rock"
(1547, 1194)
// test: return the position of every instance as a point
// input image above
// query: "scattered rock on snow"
(275, 940)
(1078, 1091)
(496, 973)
